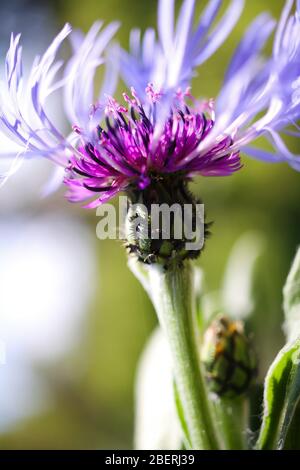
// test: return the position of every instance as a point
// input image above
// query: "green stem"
(232, 417)
(171, 294)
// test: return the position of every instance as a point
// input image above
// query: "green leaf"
(180, 414)
(291, 301)
(292, 441)
(281, 396)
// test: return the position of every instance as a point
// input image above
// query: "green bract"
(164, 223)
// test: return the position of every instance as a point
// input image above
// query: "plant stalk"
(172, 297)
(232, 417)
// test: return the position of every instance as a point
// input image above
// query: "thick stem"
(232, 417)
(171, 294)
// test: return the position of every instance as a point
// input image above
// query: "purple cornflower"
(130, 152)
(161, 129)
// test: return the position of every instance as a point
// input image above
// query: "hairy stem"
(232, 417)
(172, 297)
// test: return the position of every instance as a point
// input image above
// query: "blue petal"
(263, 155)
(221, 31)
(252, 43)
(80, 73)
(166, 24)
(281, 27)
(184, 29)
(179, 51)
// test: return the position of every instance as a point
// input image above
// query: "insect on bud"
(228, 357)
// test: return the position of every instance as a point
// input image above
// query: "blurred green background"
(92, 387)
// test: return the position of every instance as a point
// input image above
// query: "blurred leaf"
(291, 303)
(281, 396)
(237, 292)
(180, 414)
(292, 441)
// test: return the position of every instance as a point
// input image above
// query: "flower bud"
(165, 223)
(228, 358)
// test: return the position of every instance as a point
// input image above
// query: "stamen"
(152, 94)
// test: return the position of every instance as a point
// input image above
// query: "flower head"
(130, 153)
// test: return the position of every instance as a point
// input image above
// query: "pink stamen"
(152, 94)
(113, 107)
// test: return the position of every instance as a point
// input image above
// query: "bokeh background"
(73, 319)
